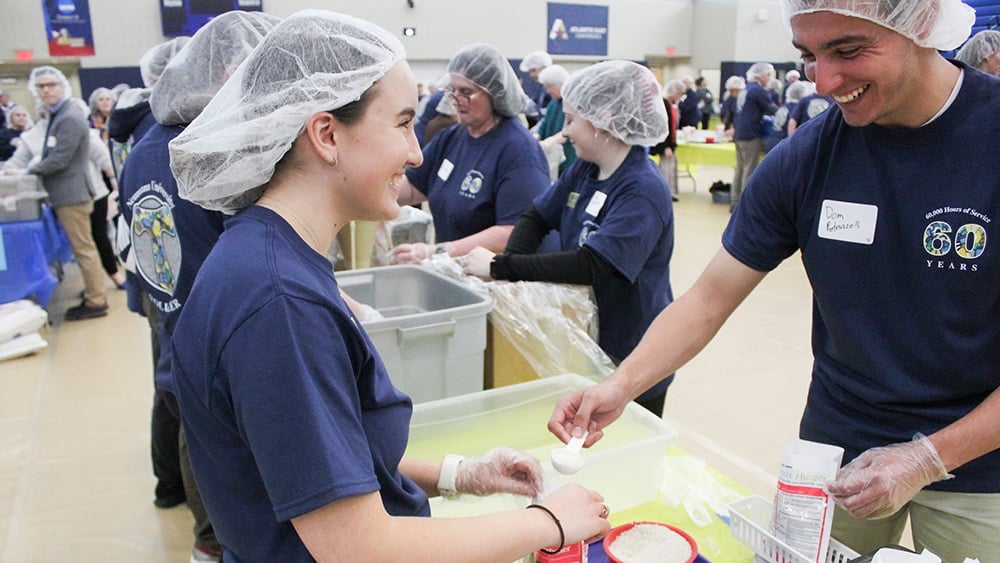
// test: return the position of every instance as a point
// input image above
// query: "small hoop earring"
(335, 162)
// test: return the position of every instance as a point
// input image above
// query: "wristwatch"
(449, 473)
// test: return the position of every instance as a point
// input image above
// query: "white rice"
(649, 543)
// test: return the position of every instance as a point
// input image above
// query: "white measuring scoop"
(567, 460)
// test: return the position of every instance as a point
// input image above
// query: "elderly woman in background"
(298, 443)
(665, 149)
(101, 102)
(481, 174)
(611, 210)
(982, 51)
(18, 121)
(558, 152)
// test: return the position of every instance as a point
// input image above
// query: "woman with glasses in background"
(481, 174)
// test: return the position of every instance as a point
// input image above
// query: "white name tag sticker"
(51, 142)
(847, 222)
(444, 172)
(596, 203)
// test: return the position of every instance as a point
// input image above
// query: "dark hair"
(354, 111)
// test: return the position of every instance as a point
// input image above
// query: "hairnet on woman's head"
(552, 75)
(10, 113)
(620, 97)
(937, 24)
(152, 63)
(734, 82)
(313, 61)
(95, 95)
(40, 71)
(202, 66)
(485, 66)
(535, 60)
(979, 47)
(675, 87)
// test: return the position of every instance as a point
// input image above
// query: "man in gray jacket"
(64, 174)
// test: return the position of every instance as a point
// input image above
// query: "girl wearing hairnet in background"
(296, 433)
(612, 209)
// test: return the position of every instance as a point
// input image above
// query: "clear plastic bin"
(21, 198)
(626, 465)
(433, 336)
(749, 520)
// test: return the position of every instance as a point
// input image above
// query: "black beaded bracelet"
(562, 535)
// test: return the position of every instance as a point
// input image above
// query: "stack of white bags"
(20, 322)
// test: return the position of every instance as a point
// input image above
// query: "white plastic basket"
(749, 519)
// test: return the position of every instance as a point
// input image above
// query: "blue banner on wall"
(67, 26)
(577, 29)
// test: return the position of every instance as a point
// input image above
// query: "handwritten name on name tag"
(847, 222)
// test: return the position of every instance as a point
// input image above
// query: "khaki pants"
(951, 525)
(748, 155)
(75, 220)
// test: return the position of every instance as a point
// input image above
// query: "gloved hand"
(411, 253)
(477, 263)
(500, 470)
(881, 480)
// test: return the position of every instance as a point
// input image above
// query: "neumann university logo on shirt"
(155, 243)
(471, 184)
(955, 238)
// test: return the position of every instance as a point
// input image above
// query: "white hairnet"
(152, 63)
(760, 70)
(979, 48)
(485, 66)
(735, 82)
(937, 24)
(798, 90)
(535, 59)
(40, 71)
(313, 61)
(620, 97)
(202, 66)
(674, 87)
(792, 75)
(10, 113)
(552, 75)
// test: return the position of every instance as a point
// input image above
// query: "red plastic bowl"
(610, 538)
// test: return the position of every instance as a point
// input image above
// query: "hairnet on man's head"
(979, 47)
(535, 60)
(485, 66)
(552, 75)
(937, 24)
(152, 63)
(734, 82)
(202, 66)
(798, 90)
(40, 71)
(620, 97)
(313, 61)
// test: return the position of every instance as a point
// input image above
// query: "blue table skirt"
(28, 252)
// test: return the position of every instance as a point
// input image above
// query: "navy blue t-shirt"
(170, 237)
(286, 405)
(628, 219)
(810, 107)
(475, 183)
(898, 230)
(752, 105)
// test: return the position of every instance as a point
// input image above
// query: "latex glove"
(477, 263)
(15, 171)
(500, 470)
(590, 409)
(411, 253)
(881, 480)
(369, 313)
